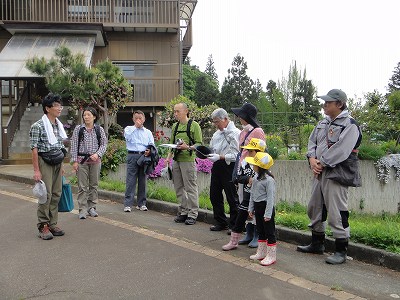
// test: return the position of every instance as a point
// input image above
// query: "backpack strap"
(81, 138)
(342, 127)
(191, 139)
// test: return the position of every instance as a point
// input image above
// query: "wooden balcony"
(123, 15)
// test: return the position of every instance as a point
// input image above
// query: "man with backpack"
(187, 134)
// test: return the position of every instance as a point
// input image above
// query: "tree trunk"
(105, 117)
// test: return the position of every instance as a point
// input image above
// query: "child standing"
(262, 206)
(245, 174)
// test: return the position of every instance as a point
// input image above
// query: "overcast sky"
(353, 45)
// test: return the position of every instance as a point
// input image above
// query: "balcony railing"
(117, 13)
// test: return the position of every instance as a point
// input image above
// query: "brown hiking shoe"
(56, 231)
(44, 233)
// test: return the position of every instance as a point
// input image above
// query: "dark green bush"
(296, 156)
(115, 131)
(390, 147)
(274, 144)
(370, 151)
(114, 156)
(273, 151)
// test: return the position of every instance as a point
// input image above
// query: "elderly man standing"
(138, 142)
(225, 145)
(332, 143)
(186, 133)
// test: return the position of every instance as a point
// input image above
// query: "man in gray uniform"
(331, 142)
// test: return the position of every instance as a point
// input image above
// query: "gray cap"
(335, 95)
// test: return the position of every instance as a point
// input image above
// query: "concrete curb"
(357, 251)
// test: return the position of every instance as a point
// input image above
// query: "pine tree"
(237, 88)
(210, 69)
(102, 86)
(394, 81)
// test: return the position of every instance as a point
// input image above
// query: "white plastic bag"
(40, 191)
(166, 173)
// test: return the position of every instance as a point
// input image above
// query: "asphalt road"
(145, 255)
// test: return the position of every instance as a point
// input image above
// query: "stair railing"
(13, 123)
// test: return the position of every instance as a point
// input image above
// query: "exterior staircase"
(20, 150)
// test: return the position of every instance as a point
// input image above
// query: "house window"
(139, 76)
(5, 88)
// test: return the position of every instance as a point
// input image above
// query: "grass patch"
(379, 231)
(160, 192)
(112, 185)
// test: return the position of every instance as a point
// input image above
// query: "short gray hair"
(220, 114)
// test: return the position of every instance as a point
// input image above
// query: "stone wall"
(293, 183)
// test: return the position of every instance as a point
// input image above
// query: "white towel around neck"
(49, 130)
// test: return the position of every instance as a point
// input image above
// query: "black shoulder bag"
(347, 172)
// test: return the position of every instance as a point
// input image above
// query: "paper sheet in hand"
(173, 146)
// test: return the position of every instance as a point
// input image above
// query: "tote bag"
(66, 203)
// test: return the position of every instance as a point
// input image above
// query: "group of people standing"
(241, 170)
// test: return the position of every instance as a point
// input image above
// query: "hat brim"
(251, 161)
(327, 98)
(202, 152)
(249, 147)
(238, 111)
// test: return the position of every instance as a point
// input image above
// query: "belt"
(135, 152)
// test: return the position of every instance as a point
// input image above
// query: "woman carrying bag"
(88, 145)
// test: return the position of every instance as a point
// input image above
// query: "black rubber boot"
(316, 246)
(249, 234)
(340, 254)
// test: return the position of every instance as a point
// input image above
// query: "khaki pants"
(328, 201)
(51, 176)
(184, 176)
(88, 182)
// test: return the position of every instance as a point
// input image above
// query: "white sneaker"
(127, 209)
(93, 212)
(143, 208)
(137, 207)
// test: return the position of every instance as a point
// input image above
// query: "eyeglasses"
(216, 121)
(60, 107)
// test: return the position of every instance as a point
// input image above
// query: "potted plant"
(36, 100)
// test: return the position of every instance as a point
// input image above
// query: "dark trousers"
(221, 180)
(134, 174)
(242, 216)
(266, 230)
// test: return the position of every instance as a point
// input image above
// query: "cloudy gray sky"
(353, 45)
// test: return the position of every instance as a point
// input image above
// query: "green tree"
(375, 116)
(300, 94)
(206, 90)
(202, 115)
(394, 81)
(238, 87)
(394, 111)
(103, 86)
(190, 75)
(210, 69)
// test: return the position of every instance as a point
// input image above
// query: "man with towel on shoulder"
(46, 136)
